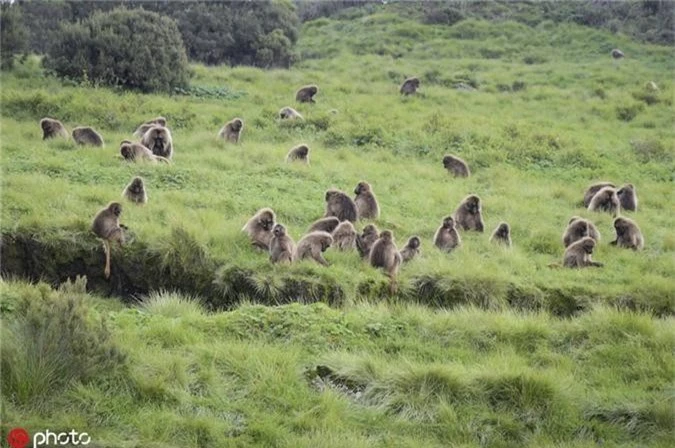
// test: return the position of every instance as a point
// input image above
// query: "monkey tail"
(106, 249)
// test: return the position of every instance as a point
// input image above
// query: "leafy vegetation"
(486, 346)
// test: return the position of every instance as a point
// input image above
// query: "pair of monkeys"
(604, 196)
(83, 135)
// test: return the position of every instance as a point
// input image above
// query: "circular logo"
(18, 438)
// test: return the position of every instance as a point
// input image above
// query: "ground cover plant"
(486, 346)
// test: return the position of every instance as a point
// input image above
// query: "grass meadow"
(485, 346)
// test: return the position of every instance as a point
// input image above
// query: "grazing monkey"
(52, 128)
(158, 140)
(590, 192)
(446, 237)
(313, 245)
(106, 225)
(384, 254)
(578, 254)
(628, 197)
(282, 246)
(366, 202)
(306, 94)
(605, 200)
(87, 136)
(410, 86)
(502, 234)
(135, 152)
(232, 130)
(456, 166)
(325, 224)
(259, 228)
(468, 215)
(411, 249)
(577, 228)
(344, 236)
(300, 152)
(288, 113)
(143, 128)
(341, 206)
(617, 54)
(628, 234)
(365, 241)
(135, 191)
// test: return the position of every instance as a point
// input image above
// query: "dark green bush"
(133, 49)
(13, 35)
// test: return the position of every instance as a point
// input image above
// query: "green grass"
(492, 366)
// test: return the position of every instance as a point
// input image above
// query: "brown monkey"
(384, 254)
(605, 200)
(577, 228)
(411, 249)
(365, 241)
(312, 245)
(502, 234)
(344, 236)
(468, 215)
(628, 197)
(232, 130)
(143, 128)
(366, 202)
(288, 113)
(340, 205)
(52, 128)
(446, 237)
(456, 166)
(617, 54)
(578, 255)
(590, 192)
(300, 152)
(410, 86)
(158, 140)
(135, 191)
(325, 224)
(106, 225)
(282, 246)
(135, 152)
(306, 94)
(628, 234)
(87, 136)
(259, 228)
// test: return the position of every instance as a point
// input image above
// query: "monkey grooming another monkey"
(590, 192)
(456, 166)
(577, 228)
(410, 86)
(605, 200)
(106, 225)
(411, 249)
(365, 241)
(340, 205)
(232, 130)
(366, 203)
(468, 215)
(282, 246)
(259, 228)
(306, 94)
(158, 140)
(135, 191)
(502, 234)
(628, 234)
(87, 136)
(313, 245)
(52, 128)
(143, 128)
(300, 152)
(578, 254)
(344, 236)
(446, 237)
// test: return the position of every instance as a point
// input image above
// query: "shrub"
(133, 49)
(51, 341)
(13, 35)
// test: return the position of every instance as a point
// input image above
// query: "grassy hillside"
(548, 112)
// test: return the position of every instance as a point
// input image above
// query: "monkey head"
(448, 222)
(588, 243)
(326, 242)
(447, 161)
(621, 225)
(473, 204)
(136, 185)
(160, 121)
(362, 187)
(237, 124)
(414, 242)
(330, 194)
(370, 229)
(126, 151)
(115, 208)
(386, 235)
(503, 230)
(279, 230)
(302, 150)
(266, 220)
